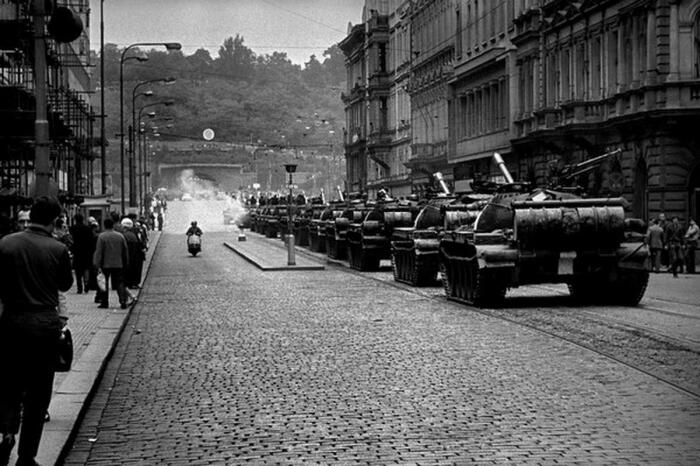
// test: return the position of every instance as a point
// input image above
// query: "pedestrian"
(674, 242)
(691, 243)
(160, 220)
(95, 231)
(34, 268)
(61, 233)
(111, 257)
(23, 219)
(664, 253)
(132, 273)
(655, 240)
(83, 249)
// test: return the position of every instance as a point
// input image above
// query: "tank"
(319, 223)
(415, 249)
(336, 229)
(369, 235)
(527, 236)
(302, 222)
(272, 220)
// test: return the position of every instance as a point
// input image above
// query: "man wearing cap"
(34, 267)
(111, 256)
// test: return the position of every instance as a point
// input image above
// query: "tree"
(235, 59)
(334, 65)
(314, 73)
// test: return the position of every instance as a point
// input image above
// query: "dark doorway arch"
(694, 193)
(641, 196)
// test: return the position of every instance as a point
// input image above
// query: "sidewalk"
(271, 255)
(95, 333)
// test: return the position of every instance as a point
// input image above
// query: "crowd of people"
(42, 252)
(671, 246)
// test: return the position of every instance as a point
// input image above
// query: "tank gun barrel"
(502, 166)
(340, 194)
(580, 168)
(441, 180)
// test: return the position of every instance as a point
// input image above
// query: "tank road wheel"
(630, 287)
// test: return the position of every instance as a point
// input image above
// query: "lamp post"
(103, 143)
(142, 158)
(133, 196)
(167, 103)
(291, 168)
(168, 46)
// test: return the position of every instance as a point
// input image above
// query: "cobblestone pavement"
(221, 363)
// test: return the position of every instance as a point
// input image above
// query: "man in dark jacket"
(83, 249)
(34, 267)
(673, 235)
(132, 274)
(111, 256)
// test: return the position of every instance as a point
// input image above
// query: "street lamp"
(168, 46)
(132, 134)
(291, 168)
(167, 103)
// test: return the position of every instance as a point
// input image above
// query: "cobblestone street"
(221, 363)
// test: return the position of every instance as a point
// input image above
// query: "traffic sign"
(292, 186)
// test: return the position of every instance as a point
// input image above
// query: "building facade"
(431, 68)
(482, 91)
(598, 75)
(69, 114)
(355, 133)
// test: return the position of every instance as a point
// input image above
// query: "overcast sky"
(298, 27)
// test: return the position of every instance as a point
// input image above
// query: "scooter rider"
(194, 230)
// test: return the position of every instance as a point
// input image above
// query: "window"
(458, 33)
(382, 58)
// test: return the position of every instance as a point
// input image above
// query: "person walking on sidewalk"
(655, 241)
(132, 274)
(112, 258)
(674, 241)
(34, 268)
(83, 249)
(691, 243)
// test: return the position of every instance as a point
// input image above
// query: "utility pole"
(103, 142)
(41, 123)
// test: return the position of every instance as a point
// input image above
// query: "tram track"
(653, 349)
(686, 384)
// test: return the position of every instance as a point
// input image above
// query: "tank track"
(626, 290)
(408, 268)
(360, 260)
(465, 282)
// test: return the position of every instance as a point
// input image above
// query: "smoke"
(204, 203)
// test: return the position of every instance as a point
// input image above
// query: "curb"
(269, 268)
(72, 398)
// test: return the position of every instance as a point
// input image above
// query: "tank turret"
(528, 235)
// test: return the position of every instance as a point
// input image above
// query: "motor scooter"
(194, 244)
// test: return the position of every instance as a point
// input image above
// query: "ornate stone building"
(69, 114)
(482, 90)
(432, 55)
(377, 105)
(355, 134)
(594, 75)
